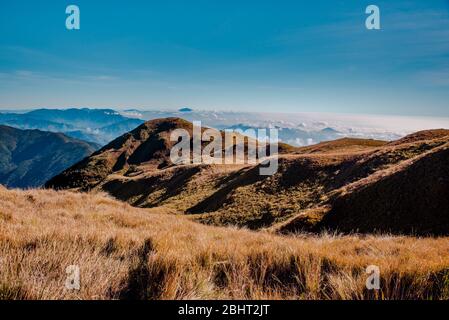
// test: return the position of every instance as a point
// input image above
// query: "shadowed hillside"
(413, 197)
(28, 158)
(410, 196)
(315, 187)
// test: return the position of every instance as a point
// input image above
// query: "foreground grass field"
(129, 253)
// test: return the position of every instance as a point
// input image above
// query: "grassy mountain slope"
(413, 197)
(406, 191)
(147, 148)
(307, 192)
(131, 253)
(28, 158)
(149, 143)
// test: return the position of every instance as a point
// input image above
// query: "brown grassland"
(131, 253)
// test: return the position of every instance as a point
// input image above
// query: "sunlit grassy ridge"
(130, 253)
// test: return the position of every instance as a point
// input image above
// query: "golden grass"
(129, 253)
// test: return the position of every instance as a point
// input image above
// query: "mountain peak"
(329, 130)
(147, 147)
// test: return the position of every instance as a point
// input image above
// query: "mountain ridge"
(308, 180)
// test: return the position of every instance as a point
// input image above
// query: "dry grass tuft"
(129, 253)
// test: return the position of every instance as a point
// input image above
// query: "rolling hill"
(350, 185)
(28, 158)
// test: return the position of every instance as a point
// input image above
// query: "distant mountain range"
(104, 125)
(294, 136)
(100, 126)
(349, 185)
(28, 158)
(94, 125)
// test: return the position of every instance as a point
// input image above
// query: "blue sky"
(273, 56)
